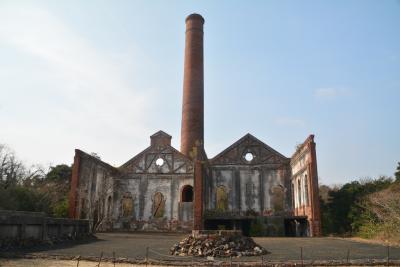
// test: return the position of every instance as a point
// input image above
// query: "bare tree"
(12, 171)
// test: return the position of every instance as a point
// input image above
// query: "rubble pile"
(217, 246)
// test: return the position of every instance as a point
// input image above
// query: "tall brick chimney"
(192, 131)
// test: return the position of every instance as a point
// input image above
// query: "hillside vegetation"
(368, 208)
(33, 188)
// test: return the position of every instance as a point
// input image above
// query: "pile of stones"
(217, 246)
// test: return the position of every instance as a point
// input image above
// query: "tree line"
(369, 208)
(33, 188)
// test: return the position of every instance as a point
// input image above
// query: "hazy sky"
(103, 76)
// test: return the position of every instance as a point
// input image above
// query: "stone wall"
(20, 225)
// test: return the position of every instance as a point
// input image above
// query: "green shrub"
(60, 209)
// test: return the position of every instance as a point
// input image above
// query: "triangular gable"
(145, 162)
(261, 152)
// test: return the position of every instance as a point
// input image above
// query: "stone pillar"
(192, 130)
(74, 186)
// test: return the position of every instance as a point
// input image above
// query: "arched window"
(299, 191)
(306, 190)
(293, 195)
(187, 194)
(109, 206)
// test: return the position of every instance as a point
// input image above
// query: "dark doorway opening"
(187, 194)
(245, 226)
(290, 227)
(296, 227)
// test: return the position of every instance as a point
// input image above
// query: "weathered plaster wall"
(154, 180)
(95, 186)
(176, 214)
(258, 187)
(250, 190)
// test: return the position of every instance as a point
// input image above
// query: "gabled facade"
(247, 183)
(247, 186)
(152, 191)
(249, 178)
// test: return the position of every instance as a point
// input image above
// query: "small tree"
(397, 173)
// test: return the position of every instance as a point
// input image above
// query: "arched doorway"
(187, 193)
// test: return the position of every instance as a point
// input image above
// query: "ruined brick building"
(248, 186)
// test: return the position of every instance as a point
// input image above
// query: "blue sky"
(103, 76)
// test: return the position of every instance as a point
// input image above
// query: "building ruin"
(248, 186)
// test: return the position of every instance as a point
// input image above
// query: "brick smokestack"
(192, 131)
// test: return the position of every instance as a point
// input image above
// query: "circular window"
(249, 156)
(159, 162)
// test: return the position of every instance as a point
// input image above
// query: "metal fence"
(154, 257)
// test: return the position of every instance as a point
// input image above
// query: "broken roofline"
(299, 149)
(104, 164)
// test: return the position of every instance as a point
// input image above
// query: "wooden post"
(301, 256)
(101, 256)
(114, 258)
(147, 255)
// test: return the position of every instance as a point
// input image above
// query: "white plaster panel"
(250, 189)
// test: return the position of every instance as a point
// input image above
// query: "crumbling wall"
(149, 211)
(304, 184)
(95, 183)
(154, 180)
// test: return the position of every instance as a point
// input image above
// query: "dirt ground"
(134, 246)
(61, 263)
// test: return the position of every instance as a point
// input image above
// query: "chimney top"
(195, 16)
